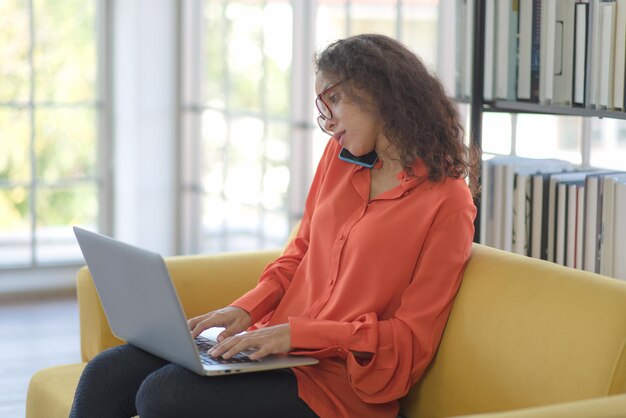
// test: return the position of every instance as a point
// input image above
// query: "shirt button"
(341, 237)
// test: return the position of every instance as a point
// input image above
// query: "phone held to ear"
(368, 160)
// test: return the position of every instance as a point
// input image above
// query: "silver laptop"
(143, 309)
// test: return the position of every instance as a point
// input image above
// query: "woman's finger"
(266, 341)
(194, 321)
(260, 353)
(232, 318)
(230, 346)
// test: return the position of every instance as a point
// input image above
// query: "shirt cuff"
(310, 333)
(259, 301)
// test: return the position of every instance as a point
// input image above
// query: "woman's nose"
(329, 124)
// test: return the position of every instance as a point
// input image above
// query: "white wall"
(145, 116)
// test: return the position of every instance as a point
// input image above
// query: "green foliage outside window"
(48, 117)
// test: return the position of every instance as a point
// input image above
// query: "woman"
(366, 286)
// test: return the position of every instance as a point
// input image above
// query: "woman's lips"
(339, 137)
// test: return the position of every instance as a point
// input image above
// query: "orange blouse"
(376, 276)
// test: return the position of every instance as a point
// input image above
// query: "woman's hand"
(270, 340)
(234, 319)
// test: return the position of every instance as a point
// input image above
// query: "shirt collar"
(414, 175)
(409, 178)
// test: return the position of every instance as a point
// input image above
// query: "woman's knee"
(175, 391)
(169, 392)
(121, 362)
(110, 380)
(101, 365)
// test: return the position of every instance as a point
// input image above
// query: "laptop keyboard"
(204, 345)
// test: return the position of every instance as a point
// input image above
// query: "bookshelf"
(545, 98)
(526, 107)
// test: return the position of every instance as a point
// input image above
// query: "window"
(563, 137)
(413, 22)
(250, 140)
(51, 112)
(546, 136)
(608, 150)
(236, 123)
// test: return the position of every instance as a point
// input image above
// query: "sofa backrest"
(525, 332)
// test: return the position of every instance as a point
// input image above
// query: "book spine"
(580, 222)
(619, 72)
(619, 260)
(593, 57)
(591, 211)
(547, 59)
(580, 54)
(525, 31)
(607, 35)
(535, 59)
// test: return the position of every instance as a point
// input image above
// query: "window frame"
(301, 120)
(103, 130)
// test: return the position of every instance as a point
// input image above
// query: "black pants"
(125, 381)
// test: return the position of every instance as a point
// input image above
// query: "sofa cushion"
(51, 391)
(525, 332)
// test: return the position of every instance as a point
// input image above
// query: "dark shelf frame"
(476, 101)
(537, 108)
(479, 105)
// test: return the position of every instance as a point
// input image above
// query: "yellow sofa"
(525, 338)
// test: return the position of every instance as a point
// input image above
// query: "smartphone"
(368, 160)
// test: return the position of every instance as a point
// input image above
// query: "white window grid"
(305, 142)
(102, 178)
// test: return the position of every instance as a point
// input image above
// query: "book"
(594, 190)
(490, 23)
(547, 34)
(493, 200)
(525, 49)
(513, 48)
(580, 54)
(498, 198)
(486, 204)
(606, 64)
(539, 211)
(619, 251)
(506, 49)
(552, 206)
(539, 203)
(606, 248)
(535, 56)
(580, 225)
(593, 57)
(574, 189)
(521, 214)
(564, 52)
(619, 72)
(590, 230)
(468, 48)
(566, 220)
(459, 37)
(560, 216)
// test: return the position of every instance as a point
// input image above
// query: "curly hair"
(419, 118)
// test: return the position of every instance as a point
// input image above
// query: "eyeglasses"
(324, 110)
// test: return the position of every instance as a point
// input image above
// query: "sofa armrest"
(203, 283)
(604, 407)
